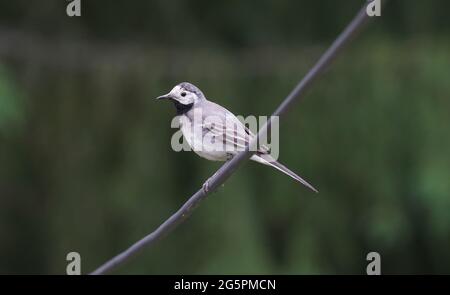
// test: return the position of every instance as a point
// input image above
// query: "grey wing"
(230, 133)
(227, 128)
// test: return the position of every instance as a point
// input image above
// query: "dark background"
(85, 157)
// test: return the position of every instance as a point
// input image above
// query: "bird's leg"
(205, 186)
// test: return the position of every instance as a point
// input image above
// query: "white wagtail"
(224, 130)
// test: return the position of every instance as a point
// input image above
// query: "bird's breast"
(193, 133)
(187, 128)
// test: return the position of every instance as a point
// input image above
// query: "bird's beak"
(165, 96)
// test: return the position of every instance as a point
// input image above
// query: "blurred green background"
(85, 157)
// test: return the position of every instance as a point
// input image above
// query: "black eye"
(183, 94)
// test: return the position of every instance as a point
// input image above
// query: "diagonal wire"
(227, 169)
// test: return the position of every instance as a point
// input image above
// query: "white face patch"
(183, 96)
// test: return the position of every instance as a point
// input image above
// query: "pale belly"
(194, 137)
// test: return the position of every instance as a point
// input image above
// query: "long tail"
(269, 161)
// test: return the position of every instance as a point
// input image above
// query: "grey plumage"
(192, 88)
(224, 129)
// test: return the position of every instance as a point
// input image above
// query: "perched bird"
(224, 129)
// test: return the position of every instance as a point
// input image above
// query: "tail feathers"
(277, 165)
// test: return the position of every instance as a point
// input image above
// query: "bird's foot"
(205, 187)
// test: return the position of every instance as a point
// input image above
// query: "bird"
(225, 130)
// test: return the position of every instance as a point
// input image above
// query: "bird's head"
(184, 96)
